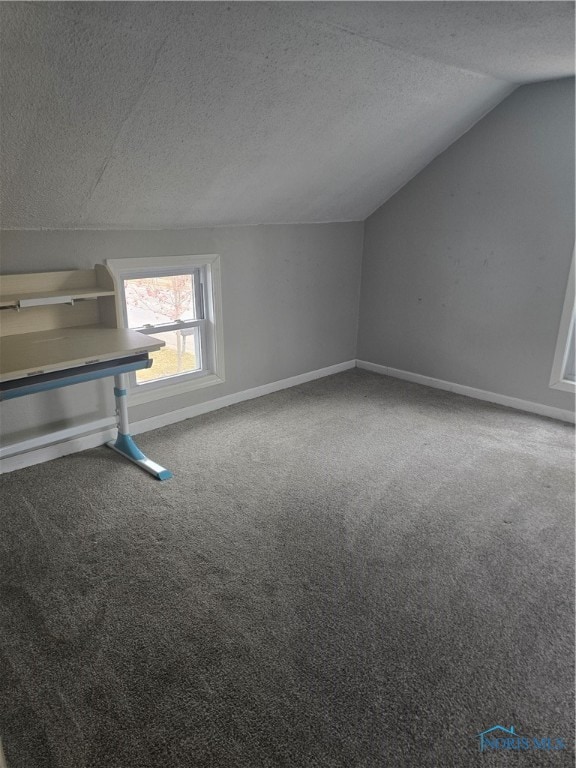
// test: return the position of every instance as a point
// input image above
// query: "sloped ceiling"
(163, 115)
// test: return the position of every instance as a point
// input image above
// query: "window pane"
(180, 355)
(154, 300)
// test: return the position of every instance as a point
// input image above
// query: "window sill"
(139, 396)
(565, 385)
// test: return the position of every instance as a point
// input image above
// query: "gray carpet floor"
(354, 573)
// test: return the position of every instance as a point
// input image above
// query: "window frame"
(207, 266)
(566, 335)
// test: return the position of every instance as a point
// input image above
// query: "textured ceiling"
(181, 114)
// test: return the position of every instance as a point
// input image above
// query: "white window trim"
(122, 268)
(557, 379)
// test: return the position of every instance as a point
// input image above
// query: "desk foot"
(128, 448)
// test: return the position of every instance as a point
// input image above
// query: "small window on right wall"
(563, 368)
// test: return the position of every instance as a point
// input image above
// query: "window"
(176, 299)
(563, 368)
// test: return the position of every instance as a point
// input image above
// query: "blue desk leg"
(124, 443)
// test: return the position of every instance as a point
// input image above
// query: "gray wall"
(290, 305)
(465, 269)
(463, 279)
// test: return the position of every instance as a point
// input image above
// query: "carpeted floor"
(354, 573)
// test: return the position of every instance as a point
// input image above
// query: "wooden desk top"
(26, 354)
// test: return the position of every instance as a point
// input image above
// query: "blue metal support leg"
(124, 444)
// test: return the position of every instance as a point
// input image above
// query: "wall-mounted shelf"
(50, 300)
(42, 298)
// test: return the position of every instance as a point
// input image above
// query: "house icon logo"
(490, 734)
(498, 737)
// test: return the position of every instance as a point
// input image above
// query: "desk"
(61, 356)
(26, 355)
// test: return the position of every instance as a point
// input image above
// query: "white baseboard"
(96, 438)
(28, 458)
(238, 397)
(58, 436)
(478, 394)
(40, 455)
